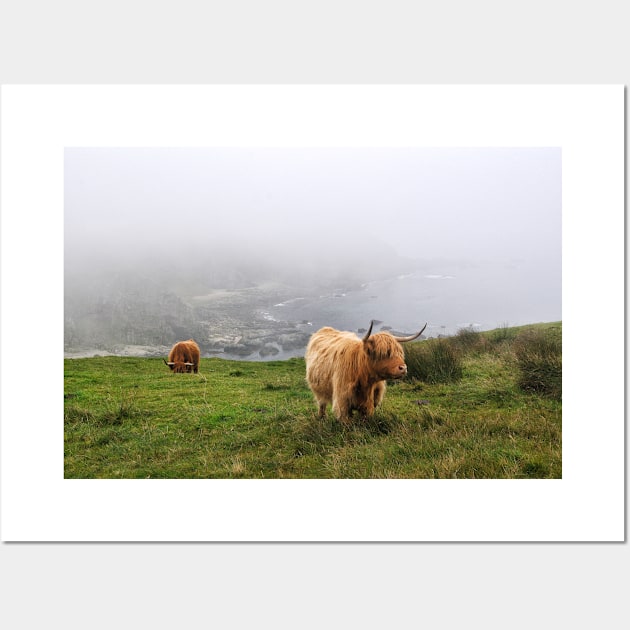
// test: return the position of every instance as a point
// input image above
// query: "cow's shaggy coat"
(184, 357)
(351, 373)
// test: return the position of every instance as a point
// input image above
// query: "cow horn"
(189, 364)
(411, 337)
(369, 332)
(165, 363)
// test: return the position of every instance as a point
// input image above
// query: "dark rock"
(268, 350)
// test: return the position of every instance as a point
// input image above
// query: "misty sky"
(487, 204)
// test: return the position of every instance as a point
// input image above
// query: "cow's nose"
(402, 369)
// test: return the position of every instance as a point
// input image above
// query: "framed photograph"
(249, 217)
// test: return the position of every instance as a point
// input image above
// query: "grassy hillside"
(133, 418)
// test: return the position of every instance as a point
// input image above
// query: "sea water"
(479, 296)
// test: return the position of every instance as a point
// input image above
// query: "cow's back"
(192, 350)
(327, 343)
(327, 354)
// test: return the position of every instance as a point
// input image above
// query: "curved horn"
(411, 337)
(165, 363)
(369, 332)
(189, 364)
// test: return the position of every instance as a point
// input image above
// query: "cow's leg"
(366, 409)
(342, 408)
(342, 400)
(379, 392)
(322, 409)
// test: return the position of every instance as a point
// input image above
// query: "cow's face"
(386, 356)
(181, 368)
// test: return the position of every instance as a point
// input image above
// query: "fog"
(195, 220)
(450, 203)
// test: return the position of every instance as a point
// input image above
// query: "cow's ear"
(368, 345)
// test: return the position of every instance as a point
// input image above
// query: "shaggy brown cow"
(350, 372)
(184, 357)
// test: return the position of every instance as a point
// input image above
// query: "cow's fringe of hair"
(383, 345)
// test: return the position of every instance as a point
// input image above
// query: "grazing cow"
(350, 372)
(184, 357)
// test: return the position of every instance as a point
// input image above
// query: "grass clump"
(434, 361)
(503, 334)
(539, 358)
(469, 339)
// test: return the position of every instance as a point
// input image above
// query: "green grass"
(133, 418)
(436, 361)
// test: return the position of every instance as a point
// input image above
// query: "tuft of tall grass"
(539, 358)
(434, 361)
(502, 334)
(468, 340)
(113, 412)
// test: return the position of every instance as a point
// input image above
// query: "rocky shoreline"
(231, 324)
(257, 322)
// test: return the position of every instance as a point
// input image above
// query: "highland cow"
(351, 373)
(184, 357)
